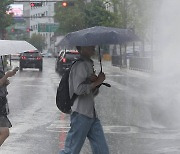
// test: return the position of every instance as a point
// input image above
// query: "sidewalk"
(137, 105)
(126, 71)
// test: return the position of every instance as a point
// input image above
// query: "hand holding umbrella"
(99, 80)
(102, 77)
(94, 77)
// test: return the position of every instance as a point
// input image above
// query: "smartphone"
(16, 69)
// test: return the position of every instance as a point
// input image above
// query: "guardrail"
(140, 64)
(117, 60)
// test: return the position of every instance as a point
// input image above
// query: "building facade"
(40, 21)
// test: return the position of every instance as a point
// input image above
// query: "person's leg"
(97, 138)
(4, 133)
(80, 125)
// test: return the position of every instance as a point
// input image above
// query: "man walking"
(84, 120)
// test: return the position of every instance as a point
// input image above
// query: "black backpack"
(63, 100)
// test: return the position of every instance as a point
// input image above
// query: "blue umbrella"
(98, 35)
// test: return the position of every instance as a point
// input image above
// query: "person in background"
(5, 124)
(84, 120)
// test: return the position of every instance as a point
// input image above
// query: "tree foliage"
(70, 18)
(83, 15)
(5, 19)
(38, 41)
(97, 15)
(134, 14)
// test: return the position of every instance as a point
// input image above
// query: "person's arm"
(8, 74)
(79, 76)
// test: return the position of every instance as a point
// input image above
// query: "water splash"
(166, 104)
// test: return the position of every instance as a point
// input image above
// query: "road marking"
(63, 128)
(114, 75)
(62, 132)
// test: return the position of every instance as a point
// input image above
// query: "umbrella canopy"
(98, 35)
(12, 47)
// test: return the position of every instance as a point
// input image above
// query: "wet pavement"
(131, 122)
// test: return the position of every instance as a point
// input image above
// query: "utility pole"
(125, 26)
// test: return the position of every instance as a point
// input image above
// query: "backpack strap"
(73, 98)
(79, 59)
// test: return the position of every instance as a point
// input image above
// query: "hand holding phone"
(16, 69)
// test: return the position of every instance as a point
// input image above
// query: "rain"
(140, 112)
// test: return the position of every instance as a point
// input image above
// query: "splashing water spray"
(166, 86)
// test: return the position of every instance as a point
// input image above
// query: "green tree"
(83, 15)
(5, 19)
(97, 15)
(70, 18)
(38, 41)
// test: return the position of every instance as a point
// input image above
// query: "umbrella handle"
(100, 58)
(106, 84)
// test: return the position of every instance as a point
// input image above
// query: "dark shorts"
(4, 121)
(4, 109)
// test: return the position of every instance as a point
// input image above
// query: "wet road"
(32, 106)
(131, 123)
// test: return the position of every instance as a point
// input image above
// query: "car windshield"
(72, 55)
(31, 54)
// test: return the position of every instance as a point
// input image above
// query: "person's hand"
(7, 82)
(93, 77)
(10, 73)
(101, 77)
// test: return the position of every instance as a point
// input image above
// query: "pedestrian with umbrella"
(5, 124)
(84, 120)
(8, 47)
(85, 83)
